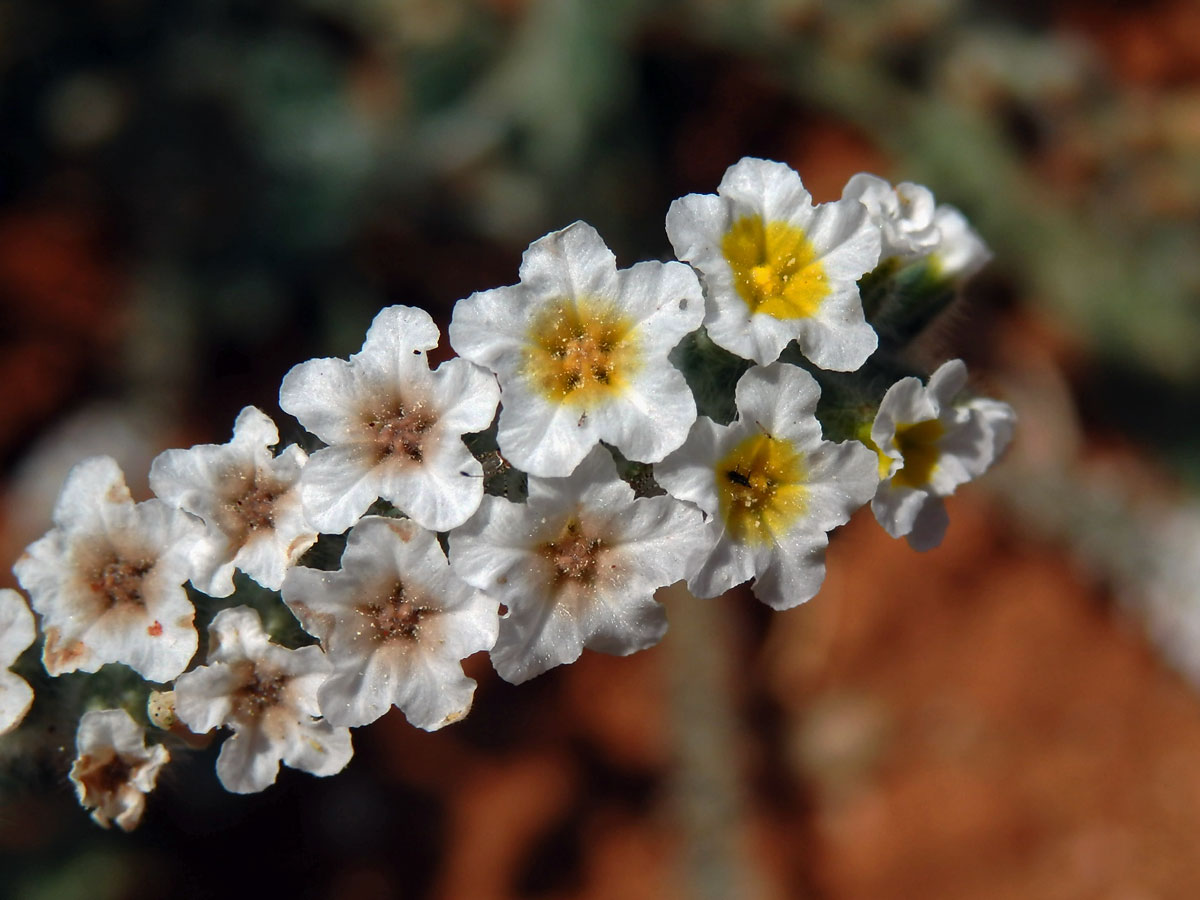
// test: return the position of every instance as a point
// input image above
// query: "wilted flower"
(114, 769)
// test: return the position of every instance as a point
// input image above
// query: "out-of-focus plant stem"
(707, 784)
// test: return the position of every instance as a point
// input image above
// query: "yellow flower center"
(760, 487)
(581, 351)
(917, 443)
(775, 268)
(863, 434)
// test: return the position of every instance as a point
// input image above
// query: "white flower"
(577, 566)
(998, 421)
(248, 499)
(394, 428)
(108, 579)
(904, 214)
(16, 633)
(395, 623)
(772, 488)
(268, 695)
(928, 445)
(114, 769)
(580, 349)
(778, 269)
(961, 252)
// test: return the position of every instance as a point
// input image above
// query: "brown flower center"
(573, 555)
(399, 430)
(259, 692)
(395, 617)
(118, 582)
(104, 777)
(249, 504)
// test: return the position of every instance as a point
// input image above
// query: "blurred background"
(197, 195)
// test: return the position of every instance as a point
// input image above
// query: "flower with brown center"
(114, 769)
(268, 695)
(577, 566)
(247, 497)
(396, 623)
(393, 426)
(108, 579)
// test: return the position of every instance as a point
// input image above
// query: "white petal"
(728, 564)
(687, 473)
(394, 349)
(318, 393)
(929, 526)
(782, 399)
(319, 749)
(962, 251)
(573, 262)
(897, 508)
(16, 696)
(248, 762)
(795, 573)
(491, 327)
(543, 438)
(236, 634)
(440, 494)
(769, 188)
(253, 428)
(338, 485)
(654, 419)
(467, 396)
(17, 630)
(204, 696)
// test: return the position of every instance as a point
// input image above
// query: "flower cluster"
(603, 433)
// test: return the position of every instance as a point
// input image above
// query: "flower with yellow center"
(577, 566)
(771, 486)
(778, 269)
(927, 445)
(580, 350)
